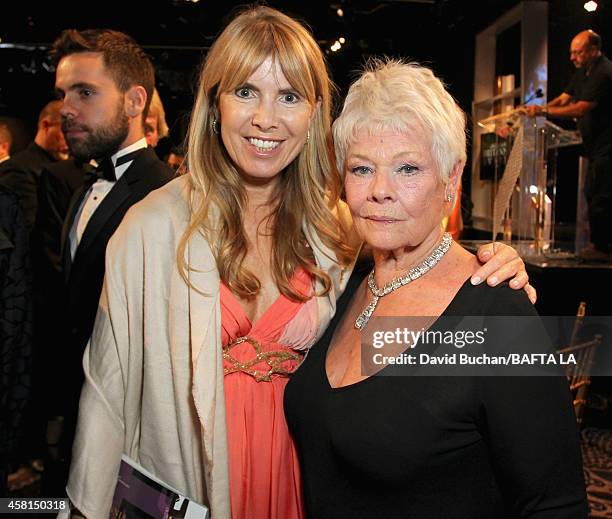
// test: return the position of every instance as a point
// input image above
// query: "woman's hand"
(502, 262)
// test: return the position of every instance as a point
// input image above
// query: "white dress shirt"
(96, 193)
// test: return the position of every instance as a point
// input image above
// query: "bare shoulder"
(460, 264)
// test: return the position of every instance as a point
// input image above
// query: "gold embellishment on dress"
(274, 359)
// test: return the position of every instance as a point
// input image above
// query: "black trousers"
(598, 192)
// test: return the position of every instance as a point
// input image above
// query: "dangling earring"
(215, 127)
(449, 197)
(307, 136)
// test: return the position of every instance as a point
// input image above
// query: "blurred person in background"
(21, 174)
(6, 139)
(156, 127)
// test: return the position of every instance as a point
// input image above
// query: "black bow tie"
(106, 169)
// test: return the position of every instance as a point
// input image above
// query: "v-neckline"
(252, 324)
(332, 329)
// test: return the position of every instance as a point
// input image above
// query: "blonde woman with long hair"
(218, 284)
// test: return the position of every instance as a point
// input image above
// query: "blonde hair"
(157, 110)
(393, 95)
(310, 186)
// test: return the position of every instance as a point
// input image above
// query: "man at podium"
(588, 99)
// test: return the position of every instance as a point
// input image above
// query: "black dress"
(436, 447)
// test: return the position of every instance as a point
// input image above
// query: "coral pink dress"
(257, 359)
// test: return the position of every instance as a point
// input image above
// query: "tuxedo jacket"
(83, 275)
(21, 174)
(58, 184)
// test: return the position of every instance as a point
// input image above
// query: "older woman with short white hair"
(421, 447)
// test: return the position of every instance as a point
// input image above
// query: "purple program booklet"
(140, 495)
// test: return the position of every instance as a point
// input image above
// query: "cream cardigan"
(153, 368)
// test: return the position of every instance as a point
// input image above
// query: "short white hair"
(393, 95)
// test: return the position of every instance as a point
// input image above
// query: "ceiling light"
(340, 12)
(590, 6)
(341, 40)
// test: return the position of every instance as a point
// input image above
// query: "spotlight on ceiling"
(342, 40)
(590, 6)
(340, 12)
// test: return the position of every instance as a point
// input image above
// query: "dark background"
(177, 33)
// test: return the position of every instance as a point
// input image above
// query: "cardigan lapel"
(208, 376)
(203, 292)
(203, 288)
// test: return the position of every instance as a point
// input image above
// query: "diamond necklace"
(416, 272)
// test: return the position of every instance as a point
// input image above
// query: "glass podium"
(521, 153)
